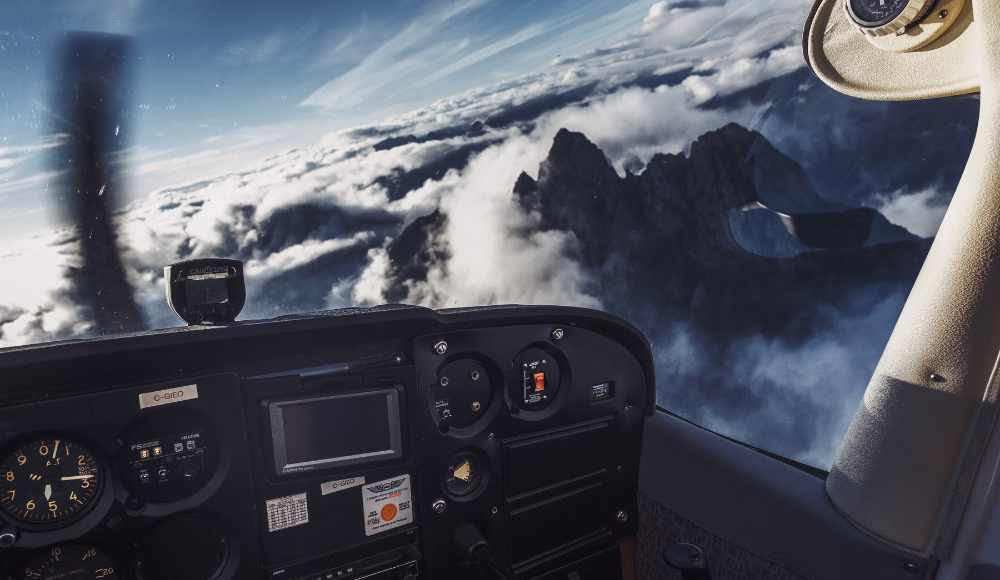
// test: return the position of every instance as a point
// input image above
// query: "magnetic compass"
(881, 17)
(48, 481)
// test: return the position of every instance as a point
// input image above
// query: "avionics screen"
(337, 430)
(199, 292)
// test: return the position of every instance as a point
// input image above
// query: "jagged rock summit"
(674, 238)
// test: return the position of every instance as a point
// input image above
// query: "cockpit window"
(673, 163)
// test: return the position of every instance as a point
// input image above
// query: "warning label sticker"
(285, 512)
(387, 504)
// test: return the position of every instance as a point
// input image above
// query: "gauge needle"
(75, 477)
(48, 491)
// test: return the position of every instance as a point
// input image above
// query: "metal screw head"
(444, 381)
(9, 537)
(943, 14)
(694, 555)
(558, 333)
(490, 436)
(475, 405)
(441, 347)
(494, 510)
(619, 468)
(911, 567)
(438, 506)
(622, 516)
(474, 375)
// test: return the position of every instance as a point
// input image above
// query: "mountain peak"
(573, 155)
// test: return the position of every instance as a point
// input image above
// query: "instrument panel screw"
(911, 567)
(438, 506)
(619, 468)
(494, 509)
(474, 375)
(622, 516)
(558, 333)
(444, 381)
(943, 14)
(475, 405)
(441, 347)
(490, 436)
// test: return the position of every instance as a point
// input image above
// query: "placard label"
(387, 504)
(332, 486)
(288, 511)
(166, 396)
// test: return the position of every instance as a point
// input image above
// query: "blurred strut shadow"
(91, 93)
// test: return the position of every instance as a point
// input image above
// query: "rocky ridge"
(672, 239)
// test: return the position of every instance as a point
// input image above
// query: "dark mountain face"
(662, 243)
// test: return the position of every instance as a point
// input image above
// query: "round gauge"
(463, 474)
(71, 563)
(881, 17)
(48, 481)
(876, 12)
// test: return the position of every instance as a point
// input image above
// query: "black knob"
(188, 472)
(412, 553)
(689, 559)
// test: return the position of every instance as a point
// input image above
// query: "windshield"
(673, 163)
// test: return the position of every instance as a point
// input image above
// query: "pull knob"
(689, 559)
(188, 472)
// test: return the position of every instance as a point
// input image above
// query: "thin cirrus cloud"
(448, 40)
(397, 58)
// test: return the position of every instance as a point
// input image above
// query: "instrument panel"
(337, 445)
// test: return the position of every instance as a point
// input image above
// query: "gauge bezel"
(35, 554)
(484, 479)
(911, 14)
(100, 458)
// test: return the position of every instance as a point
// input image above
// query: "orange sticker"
(388, 512)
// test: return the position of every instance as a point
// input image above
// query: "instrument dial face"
(876, 12)
(48, 481)
(463, 474)
(71, 563)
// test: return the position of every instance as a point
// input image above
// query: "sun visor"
(932, 56)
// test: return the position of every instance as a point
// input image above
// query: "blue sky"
(217, 85)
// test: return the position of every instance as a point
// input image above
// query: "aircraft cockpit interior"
(422, 434)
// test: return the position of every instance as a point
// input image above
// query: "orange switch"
(539, 382)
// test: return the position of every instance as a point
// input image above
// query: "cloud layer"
(314, 225)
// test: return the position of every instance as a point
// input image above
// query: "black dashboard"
(345, 444)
